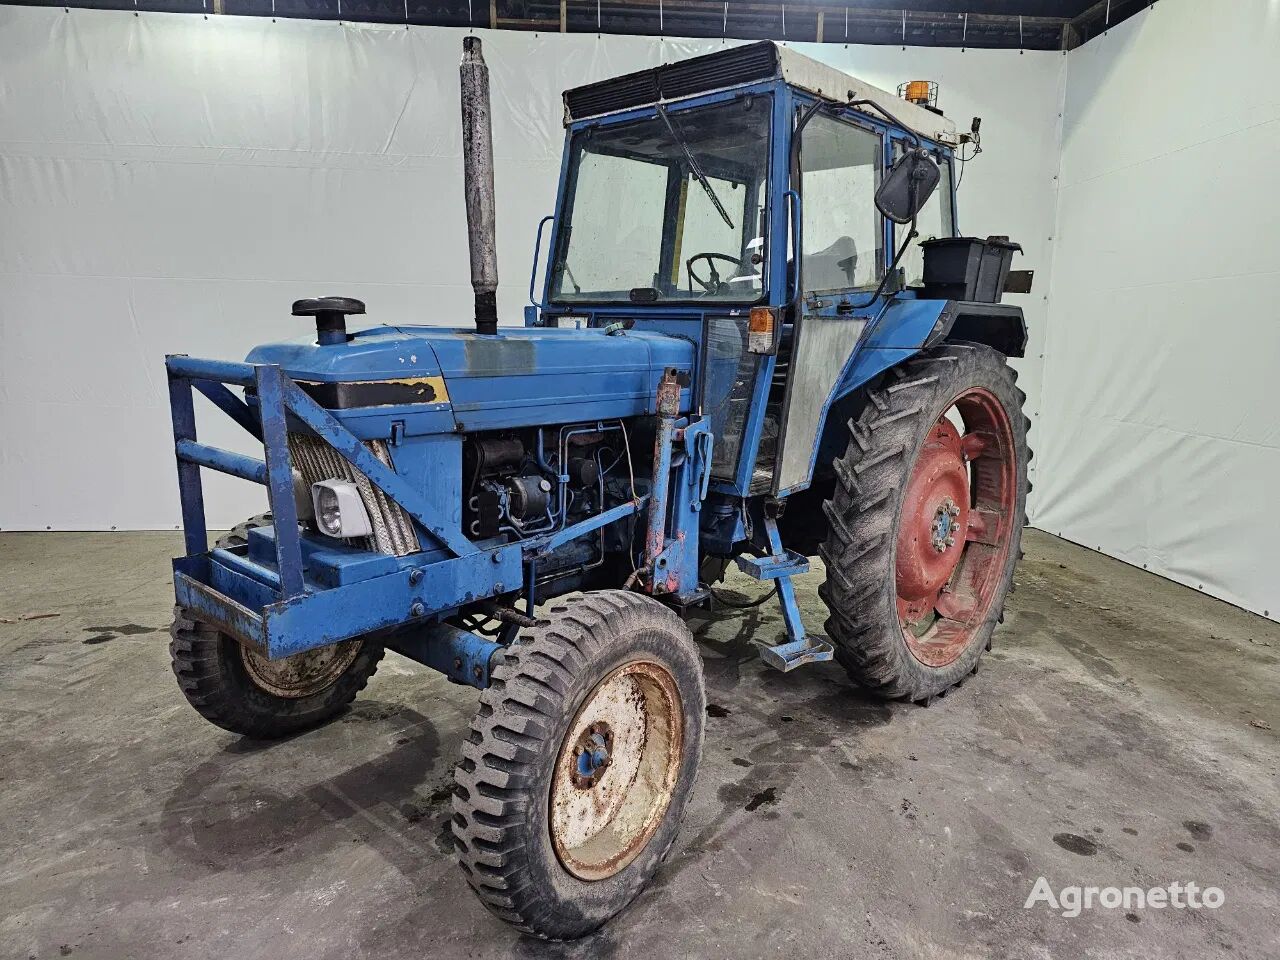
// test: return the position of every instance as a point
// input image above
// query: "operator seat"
(832, 268)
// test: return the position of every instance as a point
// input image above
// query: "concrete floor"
(1123, 732)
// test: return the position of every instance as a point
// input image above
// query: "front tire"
(246, 693)
(926, 521)
(243, 692)
(579, 763)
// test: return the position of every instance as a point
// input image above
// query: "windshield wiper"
(693, 166)
(572, 279)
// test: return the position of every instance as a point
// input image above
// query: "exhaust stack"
(477, 174)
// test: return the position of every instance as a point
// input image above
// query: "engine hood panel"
(520, 377)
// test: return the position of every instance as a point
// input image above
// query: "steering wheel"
(712, 283)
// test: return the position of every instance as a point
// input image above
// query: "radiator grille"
(393, 531)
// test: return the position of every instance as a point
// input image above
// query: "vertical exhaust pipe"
(477, 178)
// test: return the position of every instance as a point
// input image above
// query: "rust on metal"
(601, 819)
(667, 408)
(954, 529)
(303, 673)
(477, 169)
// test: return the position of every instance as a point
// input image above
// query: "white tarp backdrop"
(1161, 405)
(170, 183)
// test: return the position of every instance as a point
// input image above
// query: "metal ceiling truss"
(1015, 24)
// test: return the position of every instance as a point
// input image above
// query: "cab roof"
(740, 65)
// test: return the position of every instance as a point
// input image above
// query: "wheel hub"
(934, 509)
(302, 674)
(944, 525)
(592, 754)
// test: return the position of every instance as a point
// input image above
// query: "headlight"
(339, 510)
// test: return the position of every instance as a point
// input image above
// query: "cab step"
(787, 563)
(797, 653)
(780, 565)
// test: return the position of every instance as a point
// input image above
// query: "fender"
(998, 325)
(906, 326)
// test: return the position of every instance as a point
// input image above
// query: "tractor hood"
(469, 382)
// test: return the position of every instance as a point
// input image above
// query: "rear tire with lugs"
(579, 762)
(925, 522)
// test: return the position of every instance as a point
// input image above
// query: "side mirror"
(908, 186)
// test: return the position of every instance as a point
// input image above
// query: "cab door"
(841, 261)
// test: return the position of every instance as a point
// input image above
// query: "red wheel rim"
(954, 529)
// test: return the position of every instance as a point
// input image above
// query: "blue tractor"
(757, 339)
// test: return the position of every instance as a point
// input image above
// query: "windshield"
(671, 208)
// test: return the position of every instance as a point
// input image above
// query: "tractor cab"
(747, 201)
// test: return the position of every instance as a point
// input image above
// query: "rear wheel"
(579, 763)
(926, 521)
(243, 691)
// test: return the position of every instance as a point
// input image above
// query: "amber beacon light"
(922, 92)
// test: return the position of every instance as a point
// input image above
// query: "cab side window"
(842, 237)
(934, 222)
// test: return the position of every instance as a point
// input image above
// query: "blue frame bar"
(219, 371)
(272, 385)
(784, 105)
(795, 208)
(231, 405)
(249, 568)
(191, 494)
(224, 461)
(282, 627)
(558, 539)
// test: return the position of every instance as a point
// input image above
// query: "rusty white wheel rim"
(617, 770)
(302, 674)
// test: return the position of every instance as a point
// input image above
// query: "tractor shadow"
(765, 729)
(226, 815)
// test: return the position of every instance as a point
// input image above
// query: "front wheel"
(579, 763)
(242, 691)
(926, 520)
